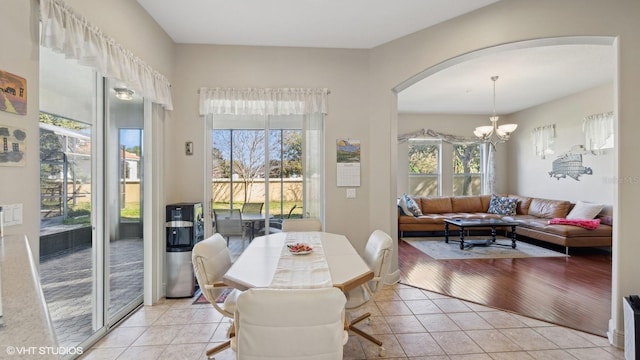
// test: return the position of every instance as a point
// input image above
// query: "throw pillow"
(412, 205)
(402, 204)
(584, 210)
(502, 205)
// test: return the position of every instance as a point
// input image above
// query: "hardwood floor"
(574, 291)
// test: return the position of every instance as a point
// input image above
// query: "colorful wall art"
(13, 142)
(13, 93)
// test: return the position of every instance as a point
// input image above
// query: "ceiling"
(527, 76)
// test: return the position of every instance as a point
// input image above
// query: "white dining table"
(265, 256)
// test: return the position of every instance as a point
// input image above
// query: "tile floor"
(413, 324)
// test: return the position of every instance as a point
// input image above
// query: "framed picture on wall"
(13, 93)
(14, 146)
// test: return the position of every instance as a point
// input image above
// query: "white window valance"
(598, 131)
(66, 32)
(253, 101)
(543, 138)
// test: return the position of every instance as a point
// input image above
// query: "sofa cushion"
(523, 204)
(584, 210)
(502, 205)
(549, 209)
(402, 205)
(412, 206)
(466, 204)
(437, 205)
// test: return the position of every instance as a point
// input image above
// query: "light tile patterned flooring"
(412, 323)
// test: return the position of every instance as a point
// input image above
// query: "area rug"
(200, 299)
(439, 250)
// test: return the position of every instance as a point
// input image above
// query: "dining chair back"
(289, 225)
(252, 208)
(377, 255)
(229, 223)
(211, 260)
(290, 323)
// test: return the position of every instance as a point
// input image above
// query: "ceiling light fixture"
(123, 93)
(494, 134)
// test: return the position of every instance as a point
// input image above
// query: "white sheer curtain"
(66, 32)
(252, 101)
(312, 103)
(598, 131)
(489, 162)
(543, 138)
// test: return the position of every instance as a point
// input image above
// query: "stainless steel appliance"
(184, 228)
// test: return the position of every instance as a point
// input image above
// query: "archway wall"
(505, 22)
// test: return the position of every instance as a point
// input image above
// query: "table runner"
(302, 271)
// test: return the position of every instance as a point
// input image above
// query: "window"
(440, 168)
(467, 169)
(424, 167)
(259, 159)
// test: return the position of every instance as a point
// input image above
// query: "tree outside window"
(467, 174)
(424, 167)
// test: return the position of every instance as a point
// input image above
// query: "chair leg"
(381, 350)
(217, 349)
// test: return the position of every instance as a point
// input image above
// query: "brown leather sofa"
(532, 216)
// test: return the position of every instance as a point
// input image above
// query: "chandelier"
(493, 133)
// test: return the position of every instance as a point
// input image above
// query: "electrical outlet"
(351, 193)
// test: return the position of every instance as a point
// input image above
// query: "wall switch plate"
(12, 214)
(351, 193)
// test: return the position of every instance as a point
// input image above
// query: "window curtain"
(489, 182)
(251, 101)
(543, 138)
(66, 32)
(312, 103)
(598, 131)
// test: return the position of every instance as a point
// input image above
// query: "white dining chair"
(211, 260)
(377, 255)
(290, 324)
(289, 225)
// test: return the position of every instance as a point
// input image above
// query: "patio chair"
(255, 209)
(229, 223)
(289, 225)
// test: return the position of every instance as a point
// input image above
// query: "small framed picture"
(13, 93)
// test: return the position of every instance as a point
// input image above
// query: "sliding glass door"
(262, 159)
(124, 181)
(91, 241)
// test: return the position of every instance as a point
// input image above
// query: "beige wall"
(343, 72)
(567, 114)
(19, 56)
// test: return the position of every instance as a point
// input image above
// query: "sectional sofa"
(533, 216)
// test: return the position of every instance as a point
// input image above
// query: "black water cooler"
(184, 228)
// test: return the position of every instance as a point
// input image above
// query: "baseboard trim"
(616, 337)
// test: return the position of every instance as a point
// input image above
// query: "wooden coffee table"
(476, 223)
